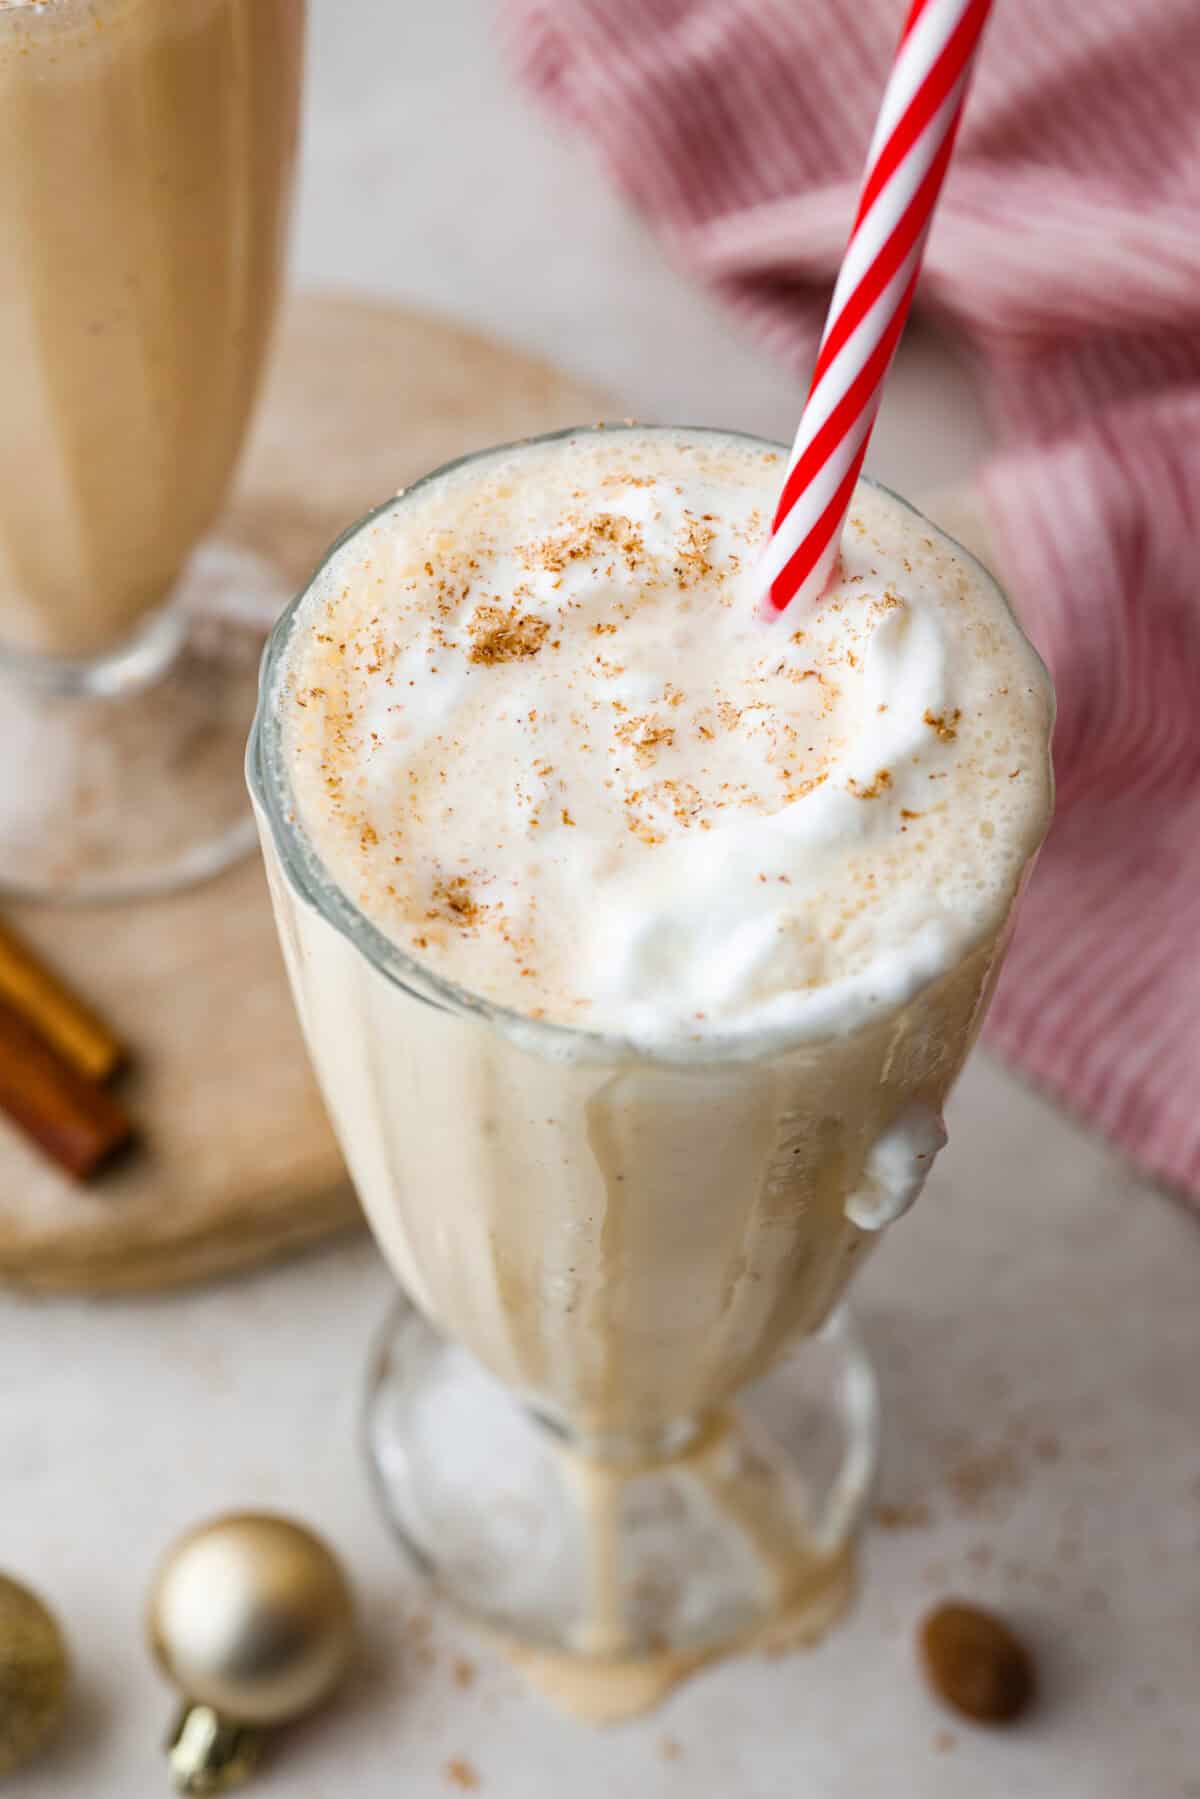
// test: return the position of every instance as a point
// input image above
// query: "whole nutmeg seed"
(976, 1663)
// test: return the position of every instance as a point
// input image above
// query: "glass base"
(125, 774)
(742, 1528)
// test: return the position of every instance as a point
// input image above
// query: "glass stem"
(138, 662)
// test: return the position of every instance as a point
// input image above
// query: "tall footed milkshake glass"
(638, 941)
(146, 155)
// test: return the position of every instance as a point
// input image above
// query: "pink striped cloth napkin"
(1067, 250)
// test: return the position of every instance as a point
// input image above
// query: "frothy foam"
(539, 732)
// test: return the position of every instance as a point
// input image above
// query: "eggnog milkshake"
(146, 158)
(705, 907)
(145, 171)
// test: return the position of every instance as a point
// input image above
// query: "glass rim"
(314, 884)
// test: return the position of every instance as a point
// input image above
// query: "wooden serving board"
(237, 1161)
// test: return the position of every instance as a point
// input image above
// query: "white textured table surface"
(1035, 1322)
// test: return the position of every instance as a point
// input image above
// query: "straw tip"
(780, 593)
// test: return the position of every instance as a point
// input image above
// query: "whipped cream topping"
(539, 731)
(897, 1167)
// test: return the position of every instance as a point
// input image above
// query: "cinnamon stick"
(72, 1119)
(61, 1017)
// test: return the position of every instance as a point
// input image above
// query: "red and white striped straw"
(906, 164)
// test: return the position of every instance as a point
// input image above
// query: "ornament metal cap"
(208, 1755)
(250, 1616)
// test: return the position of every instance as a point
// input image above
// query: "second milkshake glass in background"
(623, 1241)
(146, 160)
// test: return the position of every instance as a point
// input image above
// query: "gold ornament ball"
(251, 1614)
(33, 1674)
